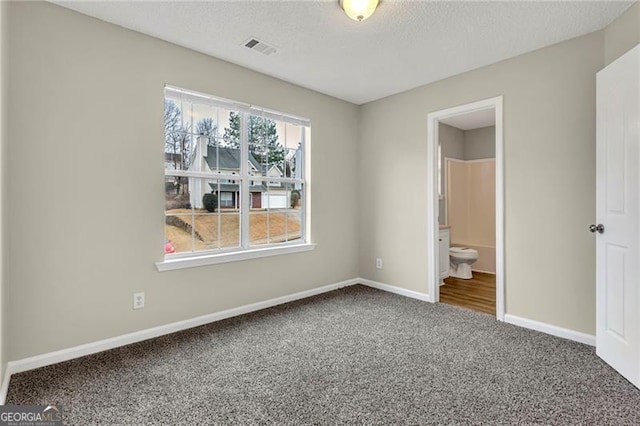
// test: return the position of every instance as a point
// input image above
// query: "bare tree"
(177, 140)
(207, 127)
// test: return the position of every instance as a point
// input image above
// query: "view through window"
(234, 175)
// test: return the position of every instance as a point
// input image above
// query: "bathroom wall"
(463, 145)
(471, 204)
(480, 143)
(452, 141)
(451, 146)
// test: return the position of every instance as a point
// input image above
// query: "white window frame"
(245, 179)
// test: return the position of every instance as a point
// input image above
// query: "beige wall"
(549, 131)
(480, 143)
(3, 204)
(85, 177)
(622, 34)
(452, 141)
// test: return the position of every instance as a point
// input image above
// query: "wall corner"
(622, 34)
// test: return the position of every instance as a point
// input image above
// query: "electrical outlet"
(138, 300)
(379, 263)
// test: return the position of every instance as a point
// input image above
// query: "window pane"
(276, 221)
(294, 212)
(218, 158)
(178, 138)
(266, 151)
(229, 229)
(178, 221)
(205, 120)
(221, 229)
(186, 115)
(178, 150)
(229, 128)
(218, 230)
(178, 232)
(293, 163)
(290, 135)
(176, 191)
(202, 215)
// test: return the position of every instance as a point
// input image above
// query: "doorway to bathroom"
(465, 207)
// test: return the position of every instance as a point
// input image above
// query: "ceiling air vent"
(260, 46)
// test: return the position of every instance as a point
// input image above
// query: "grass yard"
(220, 230)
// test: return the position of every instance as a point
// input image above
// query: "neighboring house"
(227, 161)
(276, 197)
(172, 161)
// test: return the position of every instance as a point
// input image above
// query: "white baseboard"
(554, 330)
(50, 358)
(397, 290)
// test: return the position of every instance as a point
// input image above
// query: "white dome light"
(359, 10)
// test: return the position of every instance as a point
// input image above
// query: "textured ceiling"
(405, 44)
(472, 120)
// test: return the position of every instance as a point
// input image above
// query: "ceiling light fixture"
(359, 10)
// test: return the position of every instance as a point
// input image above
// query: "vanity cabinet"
(444, 253)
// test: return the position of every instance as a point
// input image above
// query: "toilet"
(460, 261)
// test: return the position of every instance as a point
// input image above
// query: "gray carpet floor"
(352, 356)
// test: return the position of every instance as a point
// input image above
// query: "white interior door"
(617, 198)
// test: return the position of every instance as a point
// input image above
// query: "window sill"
(213, 259)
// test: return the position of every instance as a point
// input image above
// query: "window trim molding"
(245, 180)
(170, 264)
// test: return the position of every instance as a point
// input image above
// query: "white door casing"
(444, 245)
(617, 209)
(432, 265)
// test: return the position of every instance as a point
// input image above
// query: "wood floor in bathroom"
(478, 293)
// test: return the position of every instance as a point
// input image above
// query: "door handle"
(599, 227)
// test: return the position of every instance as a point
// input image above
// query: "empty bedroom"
(237, 212)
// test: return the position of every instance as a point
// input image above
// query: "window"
(234, 176)
(226, 199)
